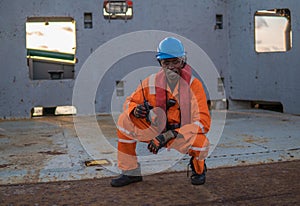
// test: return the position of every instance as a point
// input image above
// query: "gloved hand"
(140, 111)
(161, 140)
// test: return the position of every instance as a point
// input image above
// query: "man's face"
(172, 67)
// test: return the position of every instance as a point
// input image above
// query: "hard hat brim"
(162, 55)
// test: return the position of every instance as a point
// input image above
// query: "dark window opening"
(221, 84)
(219, 21)
(88, 20)
(120, 88)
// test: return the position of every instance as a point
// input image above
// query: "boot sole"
(126, 183)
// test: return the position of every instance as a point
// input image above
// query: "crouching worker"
(168, 109)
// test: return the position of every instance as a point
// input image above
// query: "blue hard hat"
(170, 47)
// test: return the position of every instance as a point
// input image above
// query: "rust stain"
(253, 139)
(52, 153)
(29, 144)
(228, 145)
(5, 165)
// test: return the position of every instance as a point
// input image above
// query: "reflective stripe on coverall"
(192, 138)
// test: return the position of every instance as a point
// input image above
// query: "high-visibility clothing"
(189, 117)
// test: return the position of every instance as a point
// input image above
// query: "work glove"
(141, 111)
(161, 140)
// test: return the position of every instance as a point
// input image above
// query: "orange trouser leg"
(137, 129)
(127, 159)
(199, 150)
(131, 130)
(196, 146)
(198, 165)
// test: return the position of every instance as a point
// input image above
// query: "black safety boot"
(123, 180)
(197, 179)
(127, 177)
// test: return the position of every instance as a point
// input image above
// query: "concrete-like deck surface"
(54, 148)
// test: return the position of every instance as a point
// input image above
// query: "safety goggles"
(173, 62)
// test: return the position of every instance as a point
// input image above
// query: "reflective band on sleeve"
(200, 149)
(192, 79)
(200, 125)
(152, 84)
(125, 131)
(131, 141)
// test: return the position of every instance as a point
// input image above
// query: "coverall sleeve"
(200, 116)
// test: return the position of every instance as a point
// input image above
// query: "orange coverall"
(191, 106)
